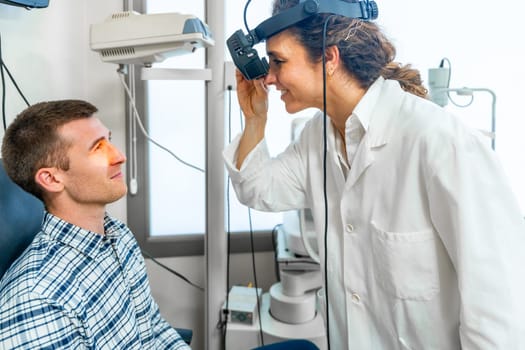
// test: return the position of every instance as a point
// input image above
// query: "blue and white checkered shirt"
(74, 289)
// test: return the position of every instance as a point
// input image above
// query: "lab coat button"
(356, 298)
(349, 228)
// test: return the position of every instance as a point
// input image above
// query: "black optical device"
(245, 56)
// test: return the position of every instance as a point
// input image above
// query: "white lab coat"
(426, 242)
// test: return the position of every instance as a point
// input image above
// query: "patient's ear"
(49, 179)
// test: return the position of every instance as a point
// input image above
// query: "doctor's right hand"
(253, 99)
(252, 96)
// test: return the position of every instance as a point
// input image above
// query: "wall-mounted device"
(245, 56)
(26, 3)
(134, 38)
(438, 84)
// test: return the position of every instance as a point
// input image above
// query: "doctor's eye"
(276, 63)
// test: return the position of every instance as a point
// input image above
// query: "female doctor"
(425, 239)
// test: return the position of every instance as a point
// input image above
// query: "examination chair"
(20, 219)
(21, 216)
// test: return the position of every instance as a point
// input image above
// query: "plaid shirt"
(74, 289)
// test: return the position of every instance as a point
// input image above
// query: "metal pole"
(470, 91)
(216, 240)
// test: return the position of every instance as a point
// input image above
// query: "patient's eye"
(99, 145)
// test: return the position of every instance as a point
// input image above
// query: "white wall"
(482, 40)
(47, 52)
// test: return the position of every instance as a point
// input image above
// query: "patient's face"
(95, 165)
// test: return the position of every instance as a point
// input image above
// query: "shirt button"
(356, 298)
(349, 228)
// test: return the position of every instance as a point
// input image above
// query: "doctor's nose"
(270, 78)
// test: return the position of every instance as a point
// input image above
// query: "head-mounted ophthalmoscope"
(245, 56)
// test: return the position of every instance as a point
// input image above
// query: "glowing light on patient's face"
(105, 153)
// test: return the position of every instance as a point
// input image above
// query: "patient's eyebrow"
(100, 139)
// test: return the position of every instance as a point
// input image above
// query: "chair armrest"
(185, 334)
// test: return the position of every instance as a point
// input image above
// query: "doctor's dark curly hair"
(364, 49)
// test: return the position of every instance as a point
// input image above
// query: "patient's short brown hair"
(31, 141)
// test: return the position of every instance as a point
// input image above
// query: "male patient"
(82, 282)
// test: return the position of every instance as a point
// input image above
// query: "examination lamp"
(245, 56)
(134, 38)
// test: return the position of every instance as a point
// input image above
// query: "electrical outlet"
(229, 76)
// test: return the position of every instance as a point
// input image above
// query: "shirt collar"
(358, 123)
(85, 241)
(365, 107)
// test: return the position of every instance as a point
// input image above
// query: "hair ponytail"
(408, 78)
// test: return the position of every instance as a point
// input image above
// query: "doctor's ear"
(50, 179)
(332, 56)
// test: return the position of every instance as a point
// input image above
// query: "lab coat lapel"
(379, 131)
(363, 158)
(333, 166)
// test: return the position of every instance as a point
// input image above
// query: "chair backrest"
(21, 217)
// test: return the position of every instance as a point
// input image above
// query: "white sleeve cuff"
(251, 164)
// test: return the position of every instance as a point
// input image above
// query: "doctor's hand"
(253, 99)
(252, 96)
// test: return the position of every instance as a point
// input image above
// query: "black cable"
(275, 252)
(325, 120)
(4, 119)
(15, 84)
(2, 77)
(246, 22)
(171, 270)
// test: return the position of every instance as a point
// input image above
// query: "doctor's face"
(293, 74)
(94, 176)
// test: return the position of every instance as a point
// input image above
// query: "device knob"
(311, 6)
(373, 10)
